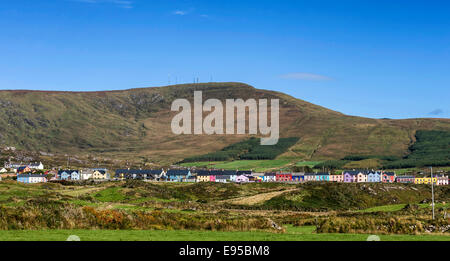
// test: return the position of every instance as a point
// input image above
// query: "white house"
(86, 174)
(36, 165)
(31, 178)
(3, 170)
(442, 180)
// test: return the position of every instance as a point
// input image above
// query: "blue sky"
(367, 58)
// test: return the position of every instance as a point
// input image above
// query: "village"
(36, 173)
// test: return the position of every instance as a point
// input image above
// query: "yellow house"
(203, 178)
(425, 180)
(99, 174)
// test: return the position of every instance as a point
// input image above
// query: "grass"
(305, 233)
(307, 163)
(201, 164)
(255, 165)
(112, 194)
(198, 211)
(397, 207)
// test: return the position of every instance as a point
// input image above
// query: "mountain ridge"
(135, 123)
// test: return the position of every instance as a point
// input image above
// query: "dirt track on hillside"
(256, 199)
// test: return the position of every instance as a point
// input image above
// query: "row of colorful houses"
(224, 176)
(84, 174)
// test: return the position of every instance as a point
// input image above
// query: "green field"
(397, 207)
(137, 210)
(307, 163)
(292, 234)
(255, 165)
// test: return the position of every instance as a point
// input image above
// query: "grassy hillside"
(216, 209)
(250, 149)
(134, 125)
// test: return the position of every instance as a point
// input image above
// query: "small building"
(322, 176)
(361, 177)
(86, 174)
(242, 179)
(31, 178)
(68, 175)
(388, 177)
(350, 176)
(284, 177)
(442, 180)
(138, 174)
(298, 177)
(374, 176)
(100, 174)
(3, 170)
(405, 179)
(308, 177)
(178, 175)
(231, 174)
(13, 165)
(270, 177)
(337, 178)
(222, 178)
(425, 180)
(35, 165)
(259, 176)
(203, 175)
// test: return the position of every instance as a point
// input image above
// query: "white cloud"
(306, 76)
(120, 3)
(180, 12)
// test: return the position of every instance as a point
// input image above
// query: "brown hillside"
(135, 123)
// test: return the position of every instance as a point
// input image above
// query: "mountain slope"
(135, 123)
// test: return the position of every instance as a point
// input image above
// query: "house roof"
(136, 171)
(67, 171)
(222, 177)
(202, 172)
(35, 164)
(270, 174)
(355, 172)
(31, 176)
(177, 172)
(244, 172)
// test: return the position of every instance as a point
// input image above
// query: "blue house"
(322, 176)
(31, 178)
(297, 177)
(374, 176)
(69, 175)
(179, 175)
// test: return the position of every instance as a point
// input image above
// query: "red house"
(283, 177)
(388, 177)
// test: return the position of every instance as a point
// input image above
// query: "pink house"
(212, 178)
